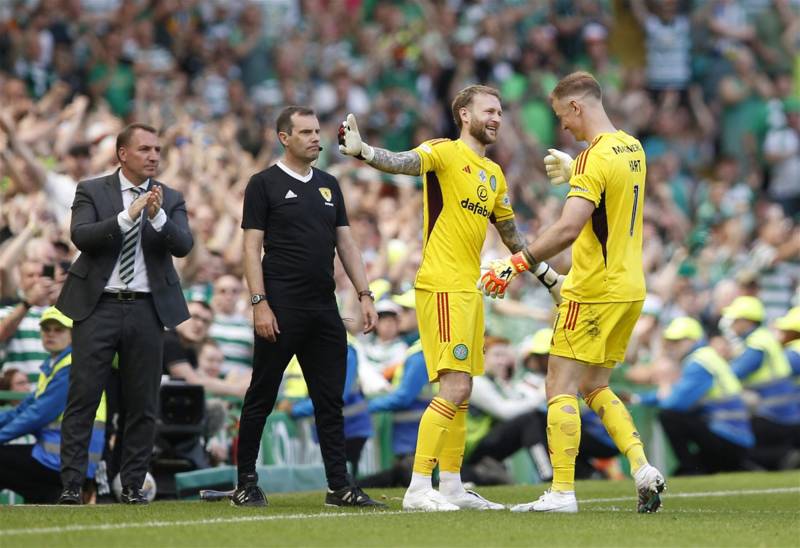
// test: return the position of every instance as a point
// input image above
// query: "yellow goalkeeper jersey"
(607, 256)
(462, 193)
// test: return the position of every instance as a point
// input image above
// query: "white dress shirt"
(139, 282)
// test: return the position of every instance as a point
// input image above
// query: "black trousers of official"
(25, 475)
(132, 330)
(714, 454)
(319, 340)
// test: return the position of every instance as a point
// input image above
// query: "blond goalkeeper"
(603, 292)
(463, 192)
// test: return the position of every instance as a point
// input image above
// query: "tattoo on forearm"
(407, 163)
(511, 237)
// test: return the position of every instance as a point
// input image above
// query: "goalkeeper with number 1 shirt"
(463, 192)
(602, 295)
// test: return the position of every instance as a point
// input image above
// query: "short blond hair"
(464, 99)
(577, 83)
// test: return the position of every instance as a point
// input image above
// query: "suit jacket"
(95, 232)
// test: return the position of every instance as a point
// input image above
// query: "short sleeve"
(587, 177)
(341, 208)
(431, 155)
(255, 207)
(502, 203)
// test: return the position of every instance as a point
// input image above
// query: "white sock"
(419, 482)
(450, 483)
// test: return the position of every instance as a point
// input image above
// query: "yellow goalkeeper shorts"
(451, 330)
(595, 333)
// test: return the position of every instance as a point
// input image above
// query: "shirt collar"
(291, 173)
(125, 184)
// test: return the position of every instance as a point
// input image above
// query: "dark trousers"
(507, 437)
(773, 442)
(352, 449)
(319, 340)
(133, 331)
(24, 475)
(714, 454)
(399, 475)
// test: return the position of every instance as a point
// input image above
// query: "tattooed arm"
(407, 163)
(350, 143)
(515, 241)
(512, 238)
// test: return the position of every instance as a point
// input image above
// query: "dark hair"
(464, 99)
(577, 83)
(125, 135)
(284, 122)
(80, 149)
(6, 377)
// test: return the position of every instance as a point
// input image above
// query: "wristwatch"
(366, 293)
(257, 298)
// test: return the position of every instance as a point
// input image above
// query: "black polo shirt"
(299, 217)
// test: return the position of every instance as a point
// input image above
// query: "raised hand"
(136, 207)
(500, 273)
(154, 201)
(350, 142)
(558, 166)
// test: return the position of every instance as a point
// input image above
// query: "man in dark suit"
(121, 293)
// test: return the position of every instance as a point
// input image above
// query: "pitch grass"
(723, 510)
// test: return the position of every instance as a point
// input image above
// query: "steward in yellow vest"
(765, 371)
(704, 415)
(33, 471)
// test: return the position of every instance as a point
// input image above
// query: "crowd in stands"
(710, 87)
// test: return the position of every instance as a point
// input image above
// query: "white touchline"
(210, 521)
(245, 519)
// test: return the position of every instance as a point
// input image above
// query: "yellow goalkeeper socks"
(563, 438)
(453, 449)
(619, 424)
(436, 422)
(452, 454)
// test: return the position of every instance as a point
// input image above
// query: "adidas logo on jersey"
(474, 207)
(466, 169)
(290, 194)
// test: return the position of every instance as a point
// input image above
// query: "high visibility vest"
(775, 366)
(723, 406)
(772, 380)
(294, 385)
(794, 346)
(48, 443)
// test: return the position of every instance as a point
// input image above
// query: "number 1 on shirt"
(635, 205)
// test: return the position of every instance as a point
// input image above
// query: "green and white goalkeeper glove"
(350, 142)
(558, 166)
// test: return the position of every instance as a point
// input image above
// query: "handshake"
(500, 272)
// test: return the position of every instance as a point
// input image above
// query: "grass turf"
(753, 509)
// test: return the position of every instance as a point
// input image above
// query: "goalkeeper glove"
(551, 279)
(500, 273)
(350, 142)
(558, 166)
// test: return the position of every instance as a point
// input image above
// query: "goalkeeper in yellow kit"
(463, 192)
(602, 294)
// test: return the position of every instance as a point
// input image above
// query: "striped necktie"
(129, 242)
